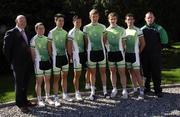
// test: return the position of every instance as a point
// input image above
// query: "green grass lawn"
(176, 45)
(170, 75)
(7, 88)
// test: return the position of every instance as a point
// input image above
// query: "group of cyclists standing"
(95, 47)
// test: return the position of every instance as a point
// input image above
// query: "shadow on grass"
(170, 59)
(7, 88)
(171, 65)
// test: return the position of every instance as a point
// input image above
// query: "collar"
(113, 26)
(131, 27)
(76, 29)
(59, 28)
(19, 29)
(94, 24)
(152, 25)
(40, 36)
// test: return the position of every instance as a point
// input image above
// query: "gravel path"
(169, 105)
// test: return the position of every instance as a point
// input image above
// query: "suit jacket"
(16, 50)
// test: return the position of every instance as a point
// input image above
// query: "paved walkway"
(168, 105)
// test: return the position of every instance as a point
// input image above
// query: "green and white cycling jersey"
(114, 37)
(94, 33)
(40, 44)
(77, 37)
(132, 39)
(58, 36)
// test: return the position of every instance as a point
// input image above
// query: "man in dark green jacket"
(156, 38)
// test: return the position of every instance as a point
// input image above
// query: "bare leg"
(93, 80)
(103, 79)
(47, 86)
(64, 81)
(139, 77)
(56, 84)
(76, 80)
(122, 73)
(113, 76)
(133, 78)
(87, 76)
(123, 79)
(38, 87)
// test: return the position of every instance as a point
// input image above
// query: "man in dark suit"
(17, 52)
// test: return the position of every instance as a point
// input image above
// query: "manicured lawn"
(176, 45)
(7, 88)
(170, 74)
(171, 64)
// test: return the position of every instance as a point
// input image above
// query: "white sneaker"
(49, 101)
(41, 103)
(141, 92)
(114, 93)
(91, 97)
(87, 86)
(78, 97)
(56, 102)
(135, 89)
(124, 94)
(141, 95)
(67, 98)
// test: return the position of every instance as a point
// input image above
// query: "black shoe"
(159, 95)
(147, 91)
(107, 96)
(24, 109)
(30, 104)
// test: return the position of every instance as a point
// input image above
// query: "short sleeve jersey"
(40, 44)
(132, 40)
(77, 36)
(95, 33)
(58, 36)
(114, 36)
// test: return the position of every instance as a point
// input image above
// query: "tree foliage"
(166, 12)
